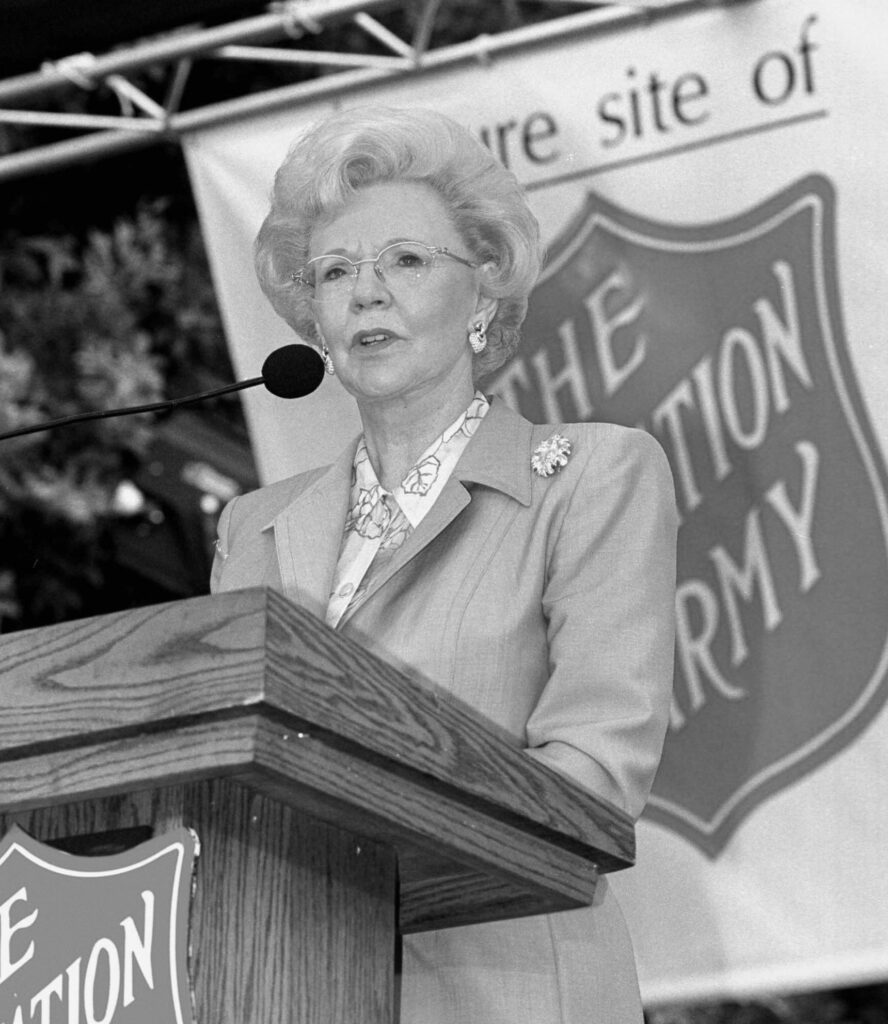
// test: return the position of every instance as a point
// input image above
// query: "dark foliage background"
(106, 300)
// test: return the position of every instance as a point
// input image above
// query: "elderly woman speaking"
(527, 569)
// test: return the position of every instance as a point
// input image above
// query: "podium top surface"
(174, 671)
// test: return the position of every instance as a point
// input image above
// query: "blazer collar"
(308, 531)
(498, 455)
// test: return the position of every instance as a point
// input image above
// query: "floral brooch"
(550, 455)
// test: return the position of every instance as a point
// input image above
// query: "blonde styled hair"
(365, 145)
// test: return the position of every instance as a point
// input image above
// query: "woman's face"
(404, 342)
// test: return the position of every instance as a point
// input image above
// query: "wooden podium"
(337, 801)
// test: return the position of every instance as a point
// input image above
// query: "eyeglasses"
(403, 265)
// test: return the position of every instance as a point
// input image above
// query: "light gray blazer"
(547, 604)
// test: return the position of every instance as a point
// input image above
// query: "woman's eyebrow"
(341, 251)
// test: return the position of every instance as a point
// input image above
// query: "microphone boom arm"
(172, 403)
(291, 371)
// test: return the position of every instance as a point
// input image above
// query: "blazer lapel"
(308, 535)
(498, 456)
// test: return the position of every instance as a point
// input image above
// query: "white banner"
(712, 190)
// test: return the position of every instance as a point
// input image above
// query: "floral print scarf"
(379, 521)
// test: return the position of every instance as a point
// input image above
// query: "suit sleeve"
(609, 606)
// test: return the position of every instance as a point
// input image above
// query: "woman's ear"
(485, 309)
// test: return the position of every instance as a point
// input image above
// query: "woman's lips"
(367, 339)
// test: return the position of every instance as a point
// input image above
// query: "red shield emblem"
(101, 939)
(725, 340)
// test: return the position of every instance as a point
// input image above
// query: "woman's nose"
(370, 287)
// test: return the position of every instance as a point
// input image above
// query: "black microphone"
(291, 371)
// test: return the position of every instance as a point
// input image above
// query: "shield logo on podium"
(725, 340)
(102, 938)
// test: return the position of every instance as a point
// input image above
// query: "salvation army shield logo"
(98, 940)
(725, 340)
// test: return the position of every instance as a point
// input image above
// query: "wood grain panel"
(292, 919)
(327, 679)
(313, 774)
(433, 821)
(302, 772)
(434, 900)
(126, 764)
(131, 668)
(206, 655)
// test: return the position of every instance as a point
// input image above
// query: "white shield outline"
(183, 843)
(814, 194)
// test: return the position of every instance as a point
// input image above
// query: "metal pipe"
(262, 28)
(301, 92)
(86, 121)
(323, 58)
(423, 33)
(380, 33)
(601, 21)
(81, 150)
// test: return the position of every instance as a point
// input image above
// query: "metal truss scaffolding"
(274, 36)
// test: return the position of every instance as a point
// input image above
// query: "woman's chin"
(376, 383)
